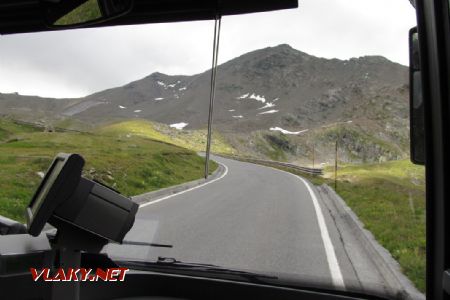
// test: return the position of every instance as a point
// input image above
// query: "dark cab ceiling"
(20, 16)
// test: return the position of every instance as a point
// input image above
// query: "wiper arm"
(52, 234)
(164, 263)
(146, 244)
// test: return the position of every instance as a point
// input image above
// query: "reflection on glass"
(87, 12)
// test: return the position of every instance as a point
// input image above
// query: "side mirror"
(417, 111)
(62, 14)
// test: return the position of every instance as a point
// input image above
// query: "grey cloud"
(78, 62)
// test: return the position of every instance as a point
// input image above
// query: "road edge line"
(187, 190)
(387, 265)
(333, 264)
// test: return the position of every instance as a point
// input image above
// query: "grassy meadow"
(389, 198)
(131, 164)
(190, 139)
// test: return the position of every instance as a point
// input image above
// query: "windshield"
(309, 179)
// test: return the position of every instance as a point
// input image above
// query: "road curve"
(255, 218)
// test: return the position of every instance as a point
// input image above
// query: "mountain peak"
(373, 59)
(156, 75)
(283, 46)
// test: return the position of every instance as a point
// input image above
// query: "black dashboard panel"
(164, 287)
(170, 286)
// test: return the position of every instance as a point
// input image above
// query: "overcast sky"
(76, 63)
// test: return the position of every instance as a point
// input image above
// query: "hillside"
(274, 102)
(191, 139)
(131, 165)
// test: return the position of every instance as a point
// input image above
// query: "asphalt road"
(253, 217)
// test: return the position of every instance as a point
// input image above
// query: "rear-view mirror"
(78, 13)
(417, 112)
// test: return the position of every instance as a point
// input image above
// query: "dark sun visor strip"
(20, 16)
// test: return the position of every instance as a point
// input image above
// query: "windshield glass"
(309, 180)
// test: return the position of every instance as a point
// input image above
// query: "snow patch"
(287, 131)
(137, 110)
(257, 98)
(183, 88)
(122, 107)
(159, 99)
(179, 126)
(268, 112)
(268, 105)
(165, 86)
(253, 96)
(238, 117)
(276, 99)
(231, 110)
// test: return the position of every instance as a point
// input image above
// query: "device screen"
(48, 181)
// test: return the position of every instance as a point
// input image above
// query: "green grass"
(12, 130)
(191, 139)
(389, 198)
(271, 149)
(132, 165)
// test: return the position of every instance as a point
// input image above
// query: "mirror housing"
(80, 13)
(416, 104)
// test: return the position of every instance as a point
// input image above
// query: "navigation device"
(74, 204)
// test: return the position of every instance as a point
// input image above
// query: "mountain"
(273, 102)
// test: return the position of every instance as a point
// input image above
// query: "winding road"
(251, 217)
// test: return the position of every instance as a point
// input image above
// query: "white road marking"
(188, 190)
(335, 270)
(333, 265)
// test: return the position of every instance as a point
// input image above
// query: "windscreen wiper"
(171, 264)
(51, 234)
(146, 244)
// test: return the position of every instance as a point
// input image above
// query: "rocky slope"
(275, 103)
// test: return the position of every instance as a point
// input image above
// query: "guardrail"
(272, 163)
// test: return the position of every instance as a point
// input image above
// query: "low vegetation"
(191, 139)
(355, 145)
(389, 198)
(132, 165)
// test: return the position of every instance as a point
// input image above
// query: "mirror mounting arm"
(416, 101)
